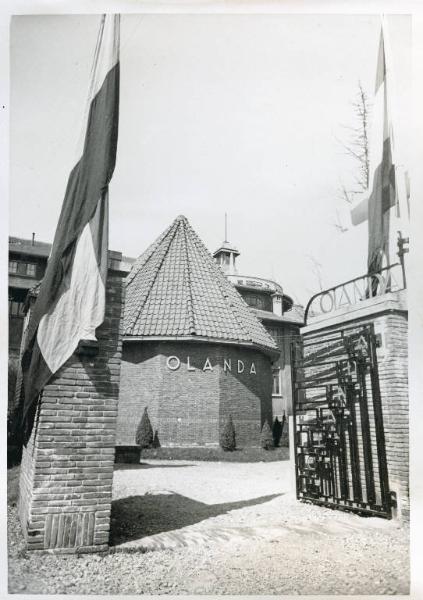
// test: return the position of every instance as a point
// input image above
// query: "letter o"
(331, 299)
(173, 359)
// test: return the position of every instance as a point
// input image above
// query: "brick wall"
(189, 405)
(67, 466)
(391, 325)
(393, 377)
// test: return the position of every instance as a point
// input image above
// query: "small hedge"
(276, 432)
(144, 436)
(266, 437)
(227, 437)
(156, 441)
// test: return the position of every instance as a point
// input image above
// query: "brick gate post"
(65, 488)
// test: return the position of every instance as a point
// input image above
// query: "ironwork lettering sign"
(389, 279)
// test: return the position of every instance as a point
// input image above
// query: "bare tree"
(357, 146)
(337, 223)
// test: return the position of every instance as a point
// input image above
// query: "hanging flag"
(71, 301)
(381, 206)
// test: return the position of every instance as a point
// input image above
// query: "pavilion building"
(193, 350)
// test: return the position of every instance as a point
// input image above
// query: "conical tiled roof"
(175, 289)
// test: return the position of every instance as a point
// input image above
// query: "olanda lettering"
(239, 366)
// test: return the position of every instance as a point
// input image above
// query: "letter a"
(253, 369)
(207, 365)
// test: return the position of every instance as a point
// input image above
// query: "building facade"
(193, 351)
(279, 315)
(27, 265)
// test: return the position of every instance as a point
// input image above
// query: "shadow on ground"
(130, 466)
(136, 517)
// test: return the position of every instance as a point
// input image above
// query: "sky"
(243, 114)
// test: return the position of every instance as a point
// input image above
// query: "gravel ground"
(221, 528)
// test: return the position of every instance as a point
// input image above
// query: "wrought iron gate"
(340, 456)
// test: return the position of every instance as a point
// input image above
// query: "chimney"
(33, 239)
(277, 305)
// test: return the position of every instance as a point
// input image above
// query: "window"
(115, 263)
(276, 391)
(251, 300)
(13, 266)
(16, 308)
(256, 301)
(30, 269)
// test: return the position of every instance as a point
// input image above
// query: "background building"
(27, 265)
(279, 315)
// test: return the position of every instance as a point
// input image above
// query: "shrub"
(285, 433)
(266, 438)
(276, 432)
(156, 441)
(144, 436)
(227, 437)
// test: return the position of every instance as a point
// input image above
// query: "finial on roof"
(226, 254)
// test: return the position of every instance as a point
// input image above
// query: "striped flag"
(381, 204)
(71, 301)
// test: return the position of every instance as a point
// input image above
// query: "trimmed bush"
(227, 437)
(276, 432)
(144, 436)
(156, 441)
(285, 433)
(266, 438)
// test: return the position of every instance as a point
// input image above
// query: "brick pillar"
(389, 315)
(393, 378)
(67, 466)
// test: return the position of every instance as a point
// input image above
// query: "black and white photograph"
(209, 215)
